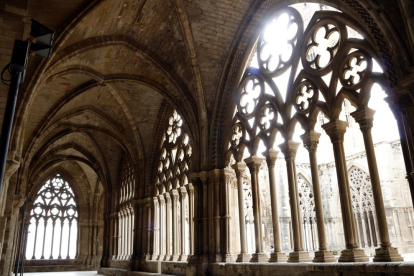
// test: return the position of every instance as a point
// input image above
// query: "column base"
(154, 257)
(353, 255)
(299, 257)
(243, 258)
(228, 258)
(259, 258)
(160, 257)
(324, 256)
(194, 259)
(387, 254)
(278, 257)
(174, 258)
(183, 258)
(215, 258)
(166, 258)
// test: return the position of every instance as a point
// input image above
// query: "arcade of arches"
(194, 137)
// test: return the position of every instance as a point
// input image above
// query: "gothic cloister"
(204, 137)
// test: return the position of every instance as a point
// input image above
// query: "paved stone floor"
(69, 273)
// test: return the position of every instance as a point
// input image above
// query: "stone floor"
(70, 273)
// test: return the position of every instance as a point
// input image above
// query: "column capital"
(228, 175)
(174, 193)
(239, 168)
(289, 149)
(364, 116)
(271, 157)
(336, 130)
(311, 140)
(203, 177)
(167, 198)
(182, 191)
(161, 199)
(254, 163)
(190, 188)
(215, 175)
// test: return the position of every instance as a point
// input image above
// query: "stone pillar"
(183, 196)
(162, 227)
(336, 131)
(156, 233)
(149, 228)
(167, 227)
(190, 191)
(254, 164)
(323, 255)
(240, 169)
(115, 226)
(215, 243)
(203, 178)
(277, 256)
(289, 150)
(227, 254)
(174, 218)
(365, 116)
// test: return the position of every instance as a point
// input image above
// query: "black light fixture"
(41, 38)
(40, 45)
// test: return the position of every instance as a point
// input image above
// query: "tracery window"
(307, 208)
(308, 60)
(53, 220)
(172, 214)
(363, 206)
(126, 215)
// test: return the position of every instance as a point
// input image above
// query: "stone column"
(183, 196)
(149, 228)
(240, 169)
(190, 191)
(277, 256)
(289, 150)
(365, 116)
(323, 255)
(167, 227)
(203, 178)
(254, 163)
(162, 227)
(156, 234)
(227, 254)
(215, 243)
(174, 218)
(336, 131)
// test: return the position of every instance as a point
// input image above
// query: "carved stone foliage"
(308, 59)
(175, 154)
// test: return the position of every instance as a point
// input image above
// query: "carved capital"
(167, 198)
(240, 169)
(271, 157)
(215, 176)
(311, 140)
(254, 163)
(289, 149)
(335, 130)
(228, 176)
(365, 117)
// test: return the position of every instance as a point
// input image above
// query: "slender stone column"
(116, 235)
(227, 254)
(215, 244)
(277, 256)
(289, 150)
(240, 169)
(174, 202)
(336, 131)
(156, 234)
(203, 178)
(190, 191)
(167, 227)
(254, 164)
(183, 196)
(149, 228)
(323, 255)
(365, 116)
(162, 227)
